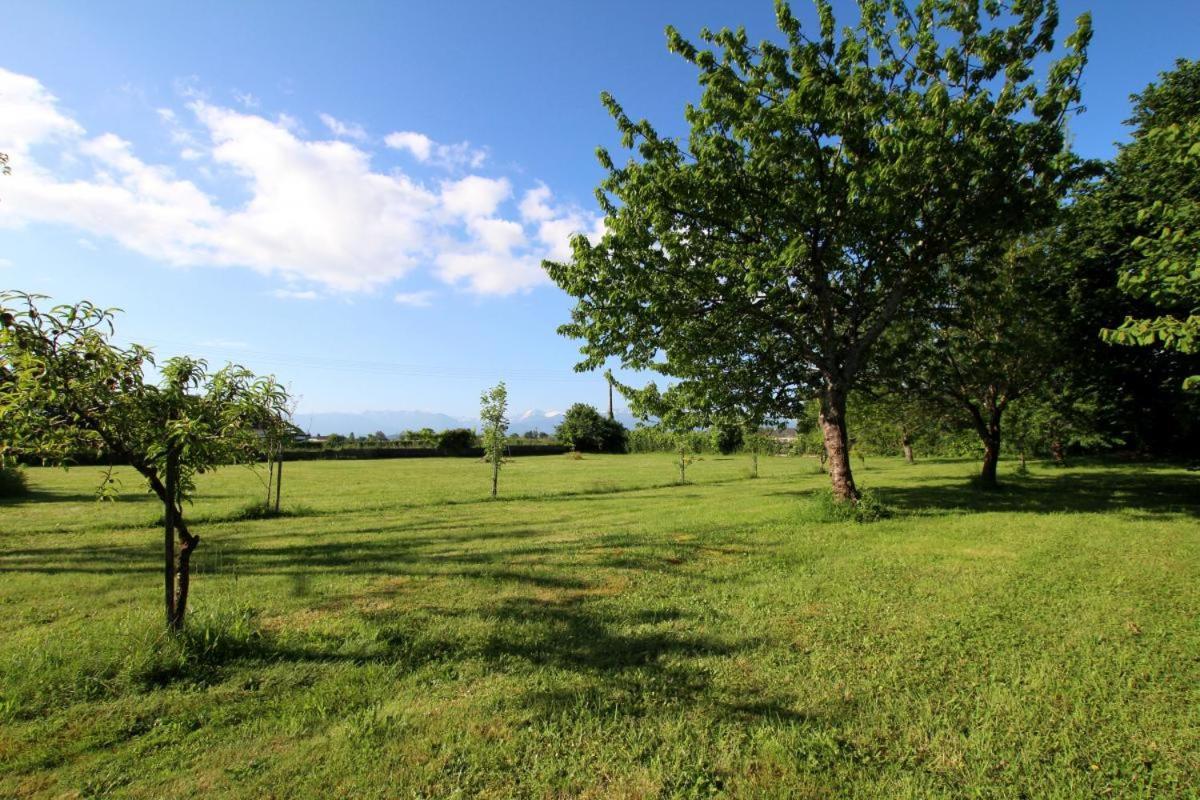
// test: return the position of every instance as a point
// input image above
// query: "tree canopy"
(67, 389)
(1155, 184)
(822, 185)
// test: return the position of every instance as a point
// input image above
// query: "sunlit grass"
(601, 632)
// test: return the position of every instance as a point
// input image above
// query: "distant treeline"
(364, 452)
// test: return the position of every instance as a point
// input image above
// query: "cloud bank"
(313, 212)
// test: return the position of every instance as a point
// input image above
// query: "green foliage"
(824, 506)
(995, 336)
(658, 439)
(1157, 178)
(456, 440)
(727, 437)
(821, 186)
(493, 412)
(13, 482)
(67, 389)
(588, 431)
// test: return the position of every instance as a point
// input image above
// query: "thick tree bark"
(837, 445)
(1058, 451)
(989, 433)
(991, 459)
(906, 445)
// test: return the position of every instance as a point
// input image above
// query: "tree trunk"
(1058, 451)
(991, 458)
(906, 444)
(187, 543)
(682, 464)
(989, 432)
(176, 562)
(754, 464)
(837, 445)
(278, 478)
(495, 464)
(270, 479)
(168, 499)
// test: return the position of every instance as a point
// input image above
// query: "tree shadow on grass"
(1126, 489)
(1107, 491)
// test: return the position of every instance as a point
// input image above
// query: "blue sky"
(356, 197)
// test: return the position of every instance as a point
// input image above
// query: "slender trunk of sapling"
(278, 478)
(176, 561)
(270, 479)
(495, 448)
(168, 500)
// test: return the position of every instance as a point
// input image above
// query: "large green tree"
(995, 336)
(824, 180)
(66, 389)
(1155, 187)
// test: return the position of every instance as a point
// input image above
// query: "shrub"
(726, 439)
(587, 431)
(823, 507)
(456, 440)
(12, 482)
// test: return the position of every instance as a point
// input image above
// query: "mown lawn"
(602, 633)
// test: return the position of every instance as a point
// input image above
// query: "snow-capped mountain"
(393, 422)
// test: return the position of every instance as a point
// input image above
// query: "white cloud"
(420, 145)
(416, 299)
(344, 130)
(5, 263)
(310, 211)
(474, 196)
(31, 115)
(295, 294)
(427, 151)
(535, 205)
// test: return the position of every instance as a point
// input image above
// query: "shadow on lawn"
(1128, 489)
(624, 661)
(1112, 490)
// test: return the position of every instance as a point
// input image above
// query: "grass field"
(601, 633)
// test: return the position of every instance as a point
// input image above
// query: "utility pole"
(608, 376)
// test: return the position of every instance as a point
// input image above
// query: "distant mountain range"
(393, 422)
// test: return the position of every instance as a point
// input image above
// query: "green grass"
(602, 633)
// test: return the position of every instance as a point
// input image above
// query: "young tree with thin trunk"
(67, 389)
(822, 185)
(493, 412)
(757, 443)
